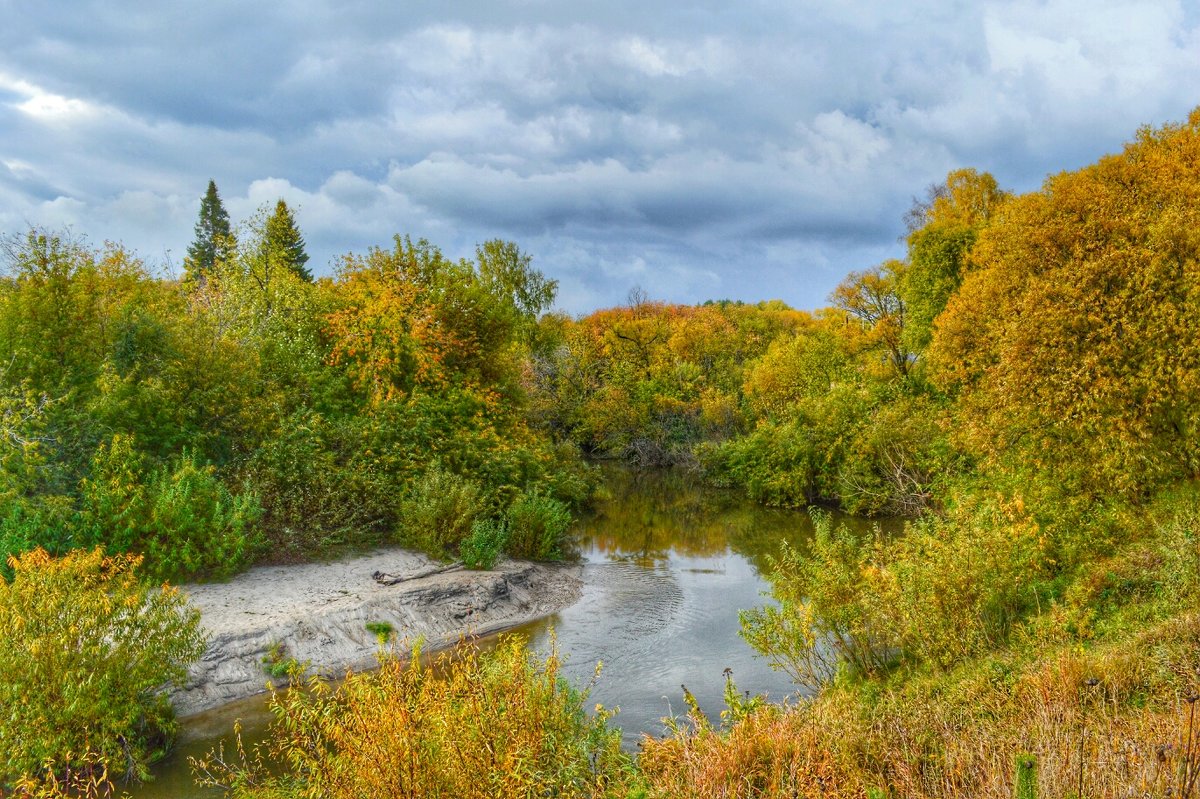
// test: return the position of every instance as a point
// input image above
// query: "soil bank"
(318, 613)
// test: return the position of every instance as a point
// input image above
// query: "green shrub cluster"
(446, 515)
(872, 450)
(482, 548)
(207, 423)
(178, 514)
(537, 527)
(438, 513)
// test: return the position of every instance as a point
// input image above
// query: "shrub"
(537, 527)
(382, 630)
(26, 524)
(483, 546)
(180, 515)
(278, 664)
(84, 649)
(946, 590)
(829, 613)
(203, 529)
(476, 724)
(313, 501)
(438, 512)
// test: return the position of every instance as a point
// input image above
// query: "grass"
(497, 723)
(278, 664)
(382, 630)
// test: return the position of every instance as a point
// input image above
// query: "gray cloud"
(698, 150)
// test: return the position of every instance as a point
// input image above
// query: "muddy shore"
(318, 613)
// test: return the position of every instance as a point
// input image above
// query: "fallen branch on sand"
(383, 578)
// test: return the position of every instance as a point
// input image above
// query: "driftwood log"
(383, 578)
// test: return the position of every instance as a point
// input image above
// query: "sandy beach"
(318, 613)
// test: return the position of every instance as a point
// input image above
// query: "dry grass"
(958, 736)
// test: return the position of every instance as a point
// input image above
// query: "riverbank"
(318, 613)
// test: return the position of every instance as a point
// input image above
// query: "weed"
(278, 664)
(382, 630)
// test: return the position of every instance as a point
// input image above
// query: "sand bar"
(318, 612)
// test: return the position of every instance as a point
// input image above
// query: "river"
(668, 562)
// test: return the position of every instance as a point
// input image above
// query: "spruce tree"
(283, 243)
(214, 238)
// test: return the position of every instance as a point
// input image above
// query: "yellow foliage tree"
(1072, 341)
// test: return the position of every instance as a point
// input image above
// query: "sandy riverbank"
(319, 612)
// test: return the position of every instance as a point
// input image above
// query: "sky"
(702, 150)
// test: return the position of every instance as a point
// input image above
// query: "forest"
(1023, 387)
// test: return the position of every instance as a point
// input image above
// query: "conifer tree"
(214, 239)
(283, 243)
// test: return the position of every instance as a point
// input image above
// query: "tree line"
(248, 411)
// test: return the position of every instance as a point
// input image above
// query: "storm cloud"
(702, 150)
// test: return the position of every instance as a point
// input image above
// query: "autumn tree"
(872, 300)
(944, 228)
(1072, 343)
(798, 368)
(412, 318)
(214, 239)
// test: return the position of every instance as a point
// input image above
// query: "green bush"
(537, 527)
(382, 630)
(314, 502)
(85, 649)
(438, 512)
(180, 515)
(830, 612)
(483, 546)
(26, 524)
(947, 589)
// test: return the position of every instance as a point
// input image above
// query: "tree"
(1071, 343)
(872, 297)
(507, 272)
(283, 243)
(214, 238)
(943, 230)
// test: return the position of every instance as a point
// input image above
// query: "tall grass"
(956, 735)
(500, 723)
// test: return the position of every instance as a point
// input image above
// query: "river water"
(667, 563)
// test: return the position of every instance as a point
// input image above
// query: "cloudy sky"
(696, 150)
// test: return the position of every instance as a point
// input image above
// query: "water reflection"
(668, 562)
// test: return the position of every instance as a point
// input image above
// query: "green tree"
(214, 238)
(282, 241)
(507, 273)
